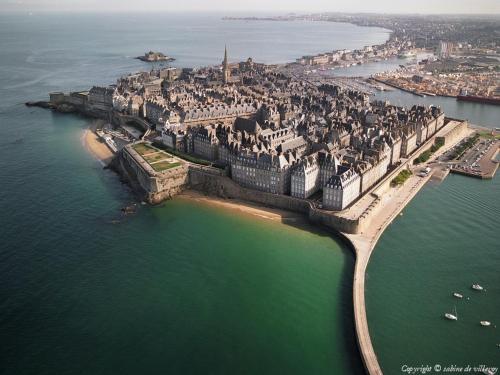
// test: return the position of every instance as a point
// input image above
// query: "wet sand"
(246, 208)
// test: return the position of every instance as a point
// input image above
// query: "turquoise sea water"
(176, 289)
(181, 288)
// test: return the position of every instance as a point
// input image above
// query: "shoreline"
(246, 208)
(362, 244)
(92, 143)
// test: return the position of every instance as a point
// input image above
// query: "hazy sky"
(281, 6)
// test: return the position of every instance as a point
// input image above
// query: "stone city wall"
(155, 187)
(206, 181)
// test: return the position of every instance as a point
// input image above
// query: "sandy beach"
(101, 152)
(95, 146)
(246, 208)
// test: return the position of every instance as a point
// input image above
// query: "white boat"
(477, 287)
(451, 316)
(458, 295)
(485, 323)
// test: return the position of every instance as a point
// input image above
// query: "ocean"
(446, 240)
(182, 288)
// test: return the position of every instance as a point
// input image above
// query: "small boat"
(458, 295)
(485, 323)
(477, 287)
(451, 316)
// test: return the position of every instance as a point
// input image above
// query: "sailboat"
(451, 316)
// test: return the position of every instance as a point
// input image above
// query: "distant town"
(464, 61)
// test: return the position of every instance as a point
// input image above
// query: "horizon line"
(249, 13)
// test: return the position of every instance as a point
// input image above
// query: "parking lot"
(478, 161)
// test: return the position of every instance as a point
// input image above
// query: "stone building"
(156, 111)
(342, 189)
(101, 98)
(276, 137)
(264, 172)
(408, 141)
(296, 145)
(206, 144)
(152, 88)
(422, 132)
(371, 171)
(328, 165)
(305, 179)
(394, 142)
(176, 140)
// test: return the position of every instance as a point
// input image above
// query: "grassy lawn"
(424, 156)
(159, 160)
(143, 148)
(164, 165)
(401, 177)
(488, 135)
(184, 156)
(155, 157)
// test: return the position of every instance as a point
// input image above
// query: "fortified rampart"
(221, 186)
(213, 181)
(155, 186)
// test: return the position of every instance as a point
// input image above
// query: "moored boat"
(485, 323)
(478, 99)
(458, 295)
(451, 316)
(477, 287)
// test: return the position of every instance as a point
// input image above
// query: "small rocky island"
(154, 57)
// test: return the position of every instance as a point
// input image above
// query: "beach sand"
(95, 146)
(101, 151)
(246, 208)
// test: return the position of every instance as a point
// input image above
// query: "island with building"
(258, 133)
(152, 56)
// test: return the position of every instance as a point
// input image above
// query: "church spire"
(226, 72)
